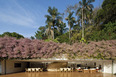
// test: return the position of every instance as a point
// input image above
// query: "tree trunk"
(82, 25)
(69, 32)
(53, 32)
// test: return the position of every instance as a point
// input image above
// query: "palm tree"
(61, 27)
(71, 21)
(53, 18)
(49, 31)
(84, 9)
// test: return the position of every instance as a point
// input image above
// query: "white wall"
(10, 67)
(107, 67)
(114, 67)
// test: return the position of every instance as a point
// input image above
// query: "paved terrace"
(57, 74)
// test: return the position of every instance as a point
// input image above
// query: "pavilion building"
(17, 65)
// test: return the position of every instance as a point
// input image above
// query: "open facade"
(15, 66)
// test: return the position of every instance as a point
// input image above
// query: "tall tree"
(84, 9)
(49, 31)
(61, 27)
(71, 21)
(53, 18)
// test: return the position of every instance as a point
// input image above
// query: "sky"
(26, 16)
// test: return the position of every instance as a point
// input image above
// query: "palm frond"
(78, 10)
(76, 6)
(90, 7)
(83, 2)
(66, 18)
(80, 3)
(49, 10)
(59, 18)
(90, 1)
(73, 18)
(70, 14)
(49, 19)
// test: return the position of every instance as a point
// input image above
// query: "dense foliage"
(107, 33)
(14, 34)
(84, 23)
(107, 13)
(65, 38)
(11, 48)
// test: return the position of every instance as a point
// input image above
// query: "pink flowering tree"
(11, 48)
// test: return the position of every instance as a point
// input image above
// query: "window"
(78, 65)
(17, 65)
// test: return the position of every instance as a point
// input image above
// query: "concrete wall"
(10, 67)
(114, 67)
(107, 67)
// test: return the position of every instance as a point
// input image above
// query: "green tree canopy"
(53, 20)
(107, 13)
(13, 34)
(40, 34)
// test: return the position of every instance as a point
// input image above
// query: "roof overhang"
(46, 60)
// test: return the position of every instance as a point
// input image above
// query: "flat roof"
(46, 60)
